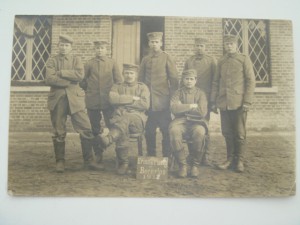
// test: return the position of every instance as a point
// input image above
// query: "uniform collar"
(232, 55)
(199, 56)
(154, 54)
(102, 58)
(189, 90)
(67, 57)
(130, 85)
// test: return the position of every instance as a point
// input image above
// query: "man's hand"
(245, 107)
(193, 106)
(136, 98)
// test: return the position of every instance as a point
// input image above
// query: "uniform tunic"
(158, 72)
(100, 74)
(181, 125)
(233, 87)
(129, 115)
(206, 67)
(63, 73)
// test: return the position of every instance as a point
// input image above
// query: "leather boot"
(180, 157)
(59, 149)
(230, 150)
(86, 146)
(112, 136)
(98, 155)
(122, 160)
(205, 159)
(240, 149)
(197, 155)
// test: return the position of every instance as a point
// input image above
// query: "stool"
(139, 139)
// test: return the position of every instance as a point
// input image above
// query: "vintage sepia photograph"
(151, 106)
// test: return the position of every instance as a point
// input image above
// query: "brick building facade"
(273, 107)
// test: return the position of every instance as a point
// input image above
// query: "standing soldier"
(101, 73)
(232, 93)
(158, 72)
(63, 73)
(206, 67)
(131, 101)
(189, 105)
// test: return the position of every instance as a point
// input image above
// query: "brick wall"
(272, 110)
(276, 110)
(84, 30)
(28, 111)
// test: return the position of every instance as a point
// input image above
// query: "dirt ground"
(269, 171)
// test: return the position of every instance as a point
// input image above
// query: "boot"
(240, 149)
(112, 136)
(205, 159)
(99, 155)
(122, 160)
(86, 146)
(230, 149)
(59, 148)
(197, 156)
(180, 157)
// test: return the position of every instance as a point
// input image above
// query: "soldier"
(158, 72)
(232, 93)
(130, 101)
(101, 73)
(63, 73)
(206, 67)
(189, 105)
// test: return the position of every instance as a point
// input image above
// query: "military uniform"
(63, 74)
(100, 75)
(188, 123)
(206, 67)
(233, 89)
(158, 72)
(128, 116)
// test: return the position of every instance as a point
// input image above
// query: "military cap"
(65, 38)
(189, 73)
(155, 35)
(132, 67)
(200, 41)
(230, 38)
(100, 42)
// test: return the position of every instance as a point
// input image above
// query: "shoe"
(122, 169)
(182, 173)
(226, 165)
(240, 167)
(194, 172)
(60, 166)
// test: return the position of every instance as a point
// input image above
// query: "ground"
(269, 171)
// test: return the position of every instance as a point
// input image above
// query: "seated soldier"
(130, 101)
(189, 106)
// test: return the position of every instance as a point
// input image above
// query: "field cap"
(155, 35)
(65, 39)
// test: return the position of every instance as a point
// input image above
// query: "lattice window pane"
(253, 40)
(41, 47)
(31, 48)
(18, 58)
(234, 27)
(258, 51)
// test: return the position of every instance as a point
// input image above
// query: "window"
(31, 47)
(253, 41)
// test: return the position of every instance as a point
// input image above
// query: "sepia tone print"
(148, 106)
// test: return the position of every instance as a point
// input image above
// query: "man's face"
(230, 47)
(129, 76)
(199, 49)
(100, 50)
(64, 48)
(189, 82)
(155, 44)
